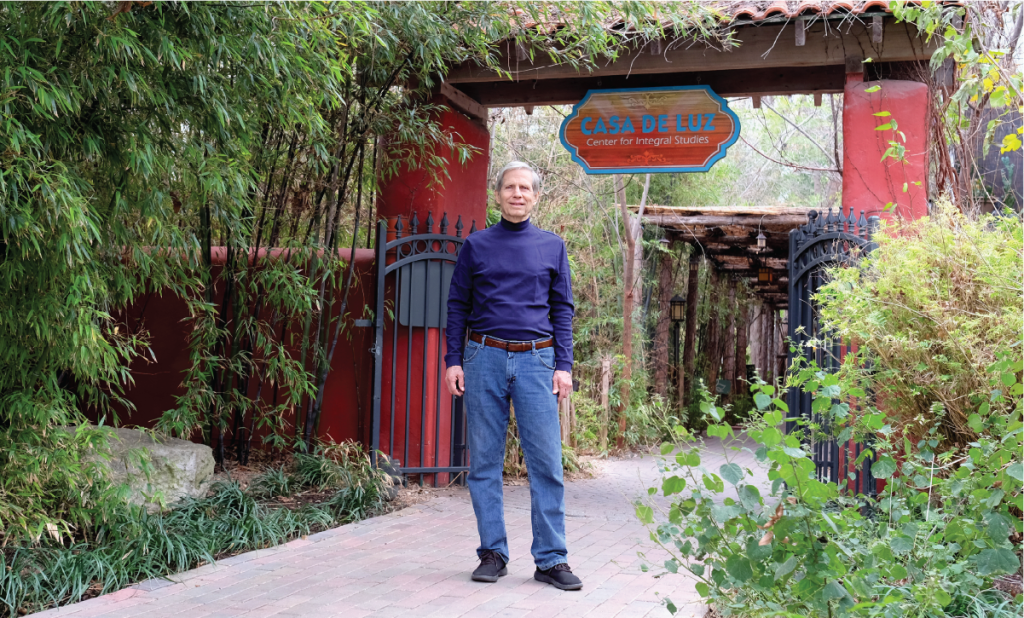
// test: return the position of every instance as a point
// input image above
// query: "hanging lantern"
(677, 308)
(762, 241)
(765, 275)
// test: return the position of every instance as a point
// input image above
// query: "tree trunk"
(741, 349)
(661, 330)
(606, 381)
(630, 272)
(690, 338)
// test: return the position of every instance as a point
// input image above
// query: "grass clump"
(133, 545)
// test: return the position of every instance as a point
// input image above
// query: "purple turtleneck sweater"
(512, 282)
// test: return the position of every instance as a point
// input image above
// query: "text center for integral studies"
(676, 140)
(688, 124)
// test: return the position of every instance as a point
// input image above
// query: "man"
(512, 289)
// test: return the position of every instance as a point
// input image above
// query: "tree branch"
(787, 163)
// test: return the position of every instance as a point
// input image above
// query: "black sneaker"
(491, 567)
(560, 576)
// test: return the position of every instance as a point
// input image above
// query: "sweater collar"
(515, 227)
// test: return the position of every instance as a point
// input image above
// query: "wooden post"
(754, 337)
(781, 333)
(606, 381)
(741, 348)
(689, 339)
(767, 336)
(572, 422)
(729, 344)
(661, 329)
(773, 348)
(714, 347)
(564, 423)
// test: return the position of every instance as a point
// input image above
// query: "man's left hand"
(561, 385)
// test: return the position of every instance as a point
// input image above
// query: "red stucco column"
(463, 192)
(416, 354)
(869, 182)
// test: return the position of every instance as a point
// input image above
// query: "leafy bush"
(935, 538)
(650, 422)
(930, 308)
(132, 545)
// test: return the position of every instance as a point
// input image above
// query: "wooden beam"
(756, 100)
(801, 32)
(817, 99)
(854, 63)
(671, 221)
(758, 49)
(463, 102)
(757, 212)
(740, 83)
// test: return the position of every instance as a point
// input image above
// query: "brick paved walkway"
(416, 562)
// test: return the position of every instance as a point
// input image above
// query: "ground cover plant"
(333, 485)
(946, 441)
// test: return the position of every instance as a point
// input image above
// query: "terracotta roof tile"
(754, 10)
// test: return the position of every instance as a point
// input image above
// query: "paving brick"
(417, 562)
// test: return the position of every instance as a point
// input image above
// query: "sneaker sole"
(491, 578)
(549, 580)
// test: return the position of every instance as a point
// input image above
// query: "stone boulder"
(179, 468)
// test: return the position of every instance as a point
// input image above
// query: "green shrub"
(650, 422)
(930, 307)
(935, 538)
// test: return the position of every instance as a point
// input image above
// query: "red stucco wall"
(869, 183)
(157, 383)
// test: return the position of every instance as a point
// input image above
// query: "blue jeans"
(493, 378)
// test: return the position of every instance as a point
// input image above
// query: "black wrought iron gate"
(417, 424)
(822, 242)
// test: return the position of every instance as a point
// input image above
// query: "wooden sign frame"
(650, 116)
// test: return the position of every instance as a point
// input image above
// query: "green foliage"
(985, 73)
(650, 422)
(935, 309)
(219, 153)
(333, 465)
(131, 545)
(930, 545)
(930, 308)
(273, 482)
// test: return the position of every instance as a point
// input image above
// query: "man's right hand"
(455, 380)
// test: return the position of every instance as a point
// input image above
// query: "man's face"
(517, 198)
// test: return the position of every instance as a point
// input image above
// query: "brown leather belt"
(511, 346)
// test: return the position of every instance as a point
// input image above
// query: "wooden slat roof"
(727, 235)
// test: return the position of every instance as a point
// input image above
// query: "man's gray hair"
(515, 165)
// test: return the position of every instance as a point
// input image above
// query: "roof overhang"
(801, 55)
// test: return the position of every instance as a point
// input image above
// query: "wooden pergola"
(728, 237)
